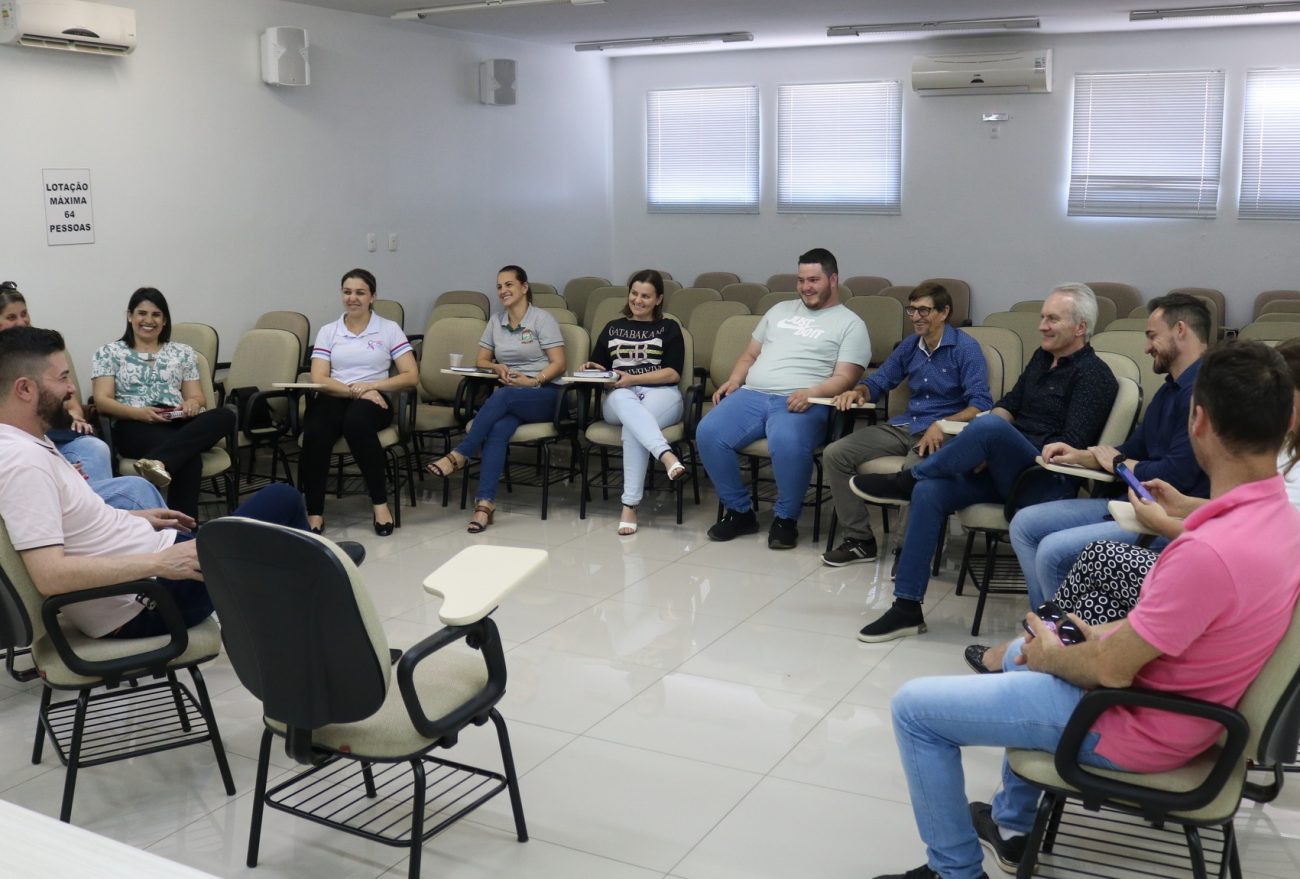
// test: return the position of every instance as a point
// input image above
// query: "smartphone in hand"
(1056, 621)
(1121, 469)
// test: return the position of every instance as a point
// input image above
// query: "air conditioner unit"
(983, 73)
(70, 25)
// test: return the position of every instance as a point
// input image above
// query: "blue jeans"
(279, 504)
(1048, 538)
(496, 422)
(946, 484)
(643, 412)
(91, 453)
(746, 416)
(129, 493)
(935, 717)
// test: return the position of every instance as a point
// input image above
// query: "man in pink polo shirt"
(1212, 610)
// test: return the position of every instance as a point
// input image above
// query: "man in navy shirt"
(1049, 537)
(945, 370)
(1064, 395)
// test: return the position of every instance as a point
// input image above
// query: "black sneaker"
(921, 872)
(784, 534)
(1008, 852)
(850, 552)
(884, 488)
(900, 621)
(733, 524)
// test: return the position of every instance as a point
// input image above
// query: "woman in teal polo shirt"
(525, 349)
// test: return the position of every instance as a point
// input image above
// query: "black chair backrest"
(301, 636)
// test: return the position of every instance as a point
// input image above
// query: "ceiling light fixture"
(411, 14)
(672, 40)
(1212, 11)
(964, 24)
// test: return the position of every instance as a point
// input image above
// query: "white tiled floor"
(678, 708)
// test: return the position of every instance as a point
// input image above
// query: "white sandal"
(627, 529)
(676, 471)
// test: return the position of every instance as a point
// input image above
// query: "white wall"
(234, 197)
(989, 211)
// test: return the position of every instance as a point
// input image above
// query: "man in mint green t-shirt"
(810, 347)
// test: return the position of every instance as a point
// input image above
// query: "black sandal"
(974, 656)
(432, 466)
(476, 527)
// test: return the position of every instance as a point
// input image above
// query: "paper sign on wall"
(68, 215)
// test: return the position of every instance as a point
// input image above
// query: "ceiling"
(782, 22)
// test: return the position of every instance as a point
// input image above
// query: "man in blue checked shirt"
(948, 378)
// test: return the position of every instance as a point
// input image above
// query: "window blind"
(839, 148)
(702, 151)
(1146, 144)
(1270, 148)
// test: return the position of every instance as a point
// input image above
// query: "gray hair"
(1083, 304)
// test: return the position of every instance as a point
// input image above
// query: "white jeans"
(643, 412)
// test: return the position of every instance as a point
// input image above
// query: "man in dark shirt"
(1049, 537)
(1064, 395)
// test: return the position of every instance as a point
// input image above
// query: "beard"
(51, 411)
(1160, 363)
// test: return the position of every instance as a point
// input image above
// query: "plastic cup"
(455, 359)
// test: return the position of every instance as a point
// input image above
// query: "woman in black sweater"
(645, 349)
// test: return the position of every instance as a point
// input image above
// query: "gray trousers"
(841, 459)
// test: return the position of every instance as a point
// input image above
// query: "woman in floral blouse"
(150, 386)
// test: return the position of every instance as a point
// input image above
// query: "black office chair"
(303, 637)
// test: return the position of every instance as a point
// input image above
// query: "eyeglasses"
(922, 310)
(8, 285)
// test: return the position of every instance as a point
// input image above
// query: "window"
(702, 151)
(838, 148)
(1270, 148)
(1146, 144)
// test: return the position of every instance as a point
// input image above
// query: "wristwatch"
(1119, 459)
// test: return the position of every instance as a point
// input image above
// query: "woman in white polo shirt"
(525, 349)
(352, 358)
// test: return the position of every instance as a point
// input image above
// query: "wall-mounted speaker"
(284, 56)
(496, 81)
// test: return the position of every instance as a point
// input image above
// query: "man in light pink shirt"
(1212, 610)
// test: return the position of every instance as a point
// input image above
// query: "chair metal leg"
(604, 472)
(38, 745)
(512, 779)
(178, 701)
(1231, 857)
(584, 493)
(546, 479)
(417, 816)
(368, 776)
(964, 568)
(74, 756)
(1054, 824)
(1029, 860)
(259, 798)
(1196, 850)
(938, 546)
(205, 705)
(990, 556)
(695, 473)
(817, 500)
